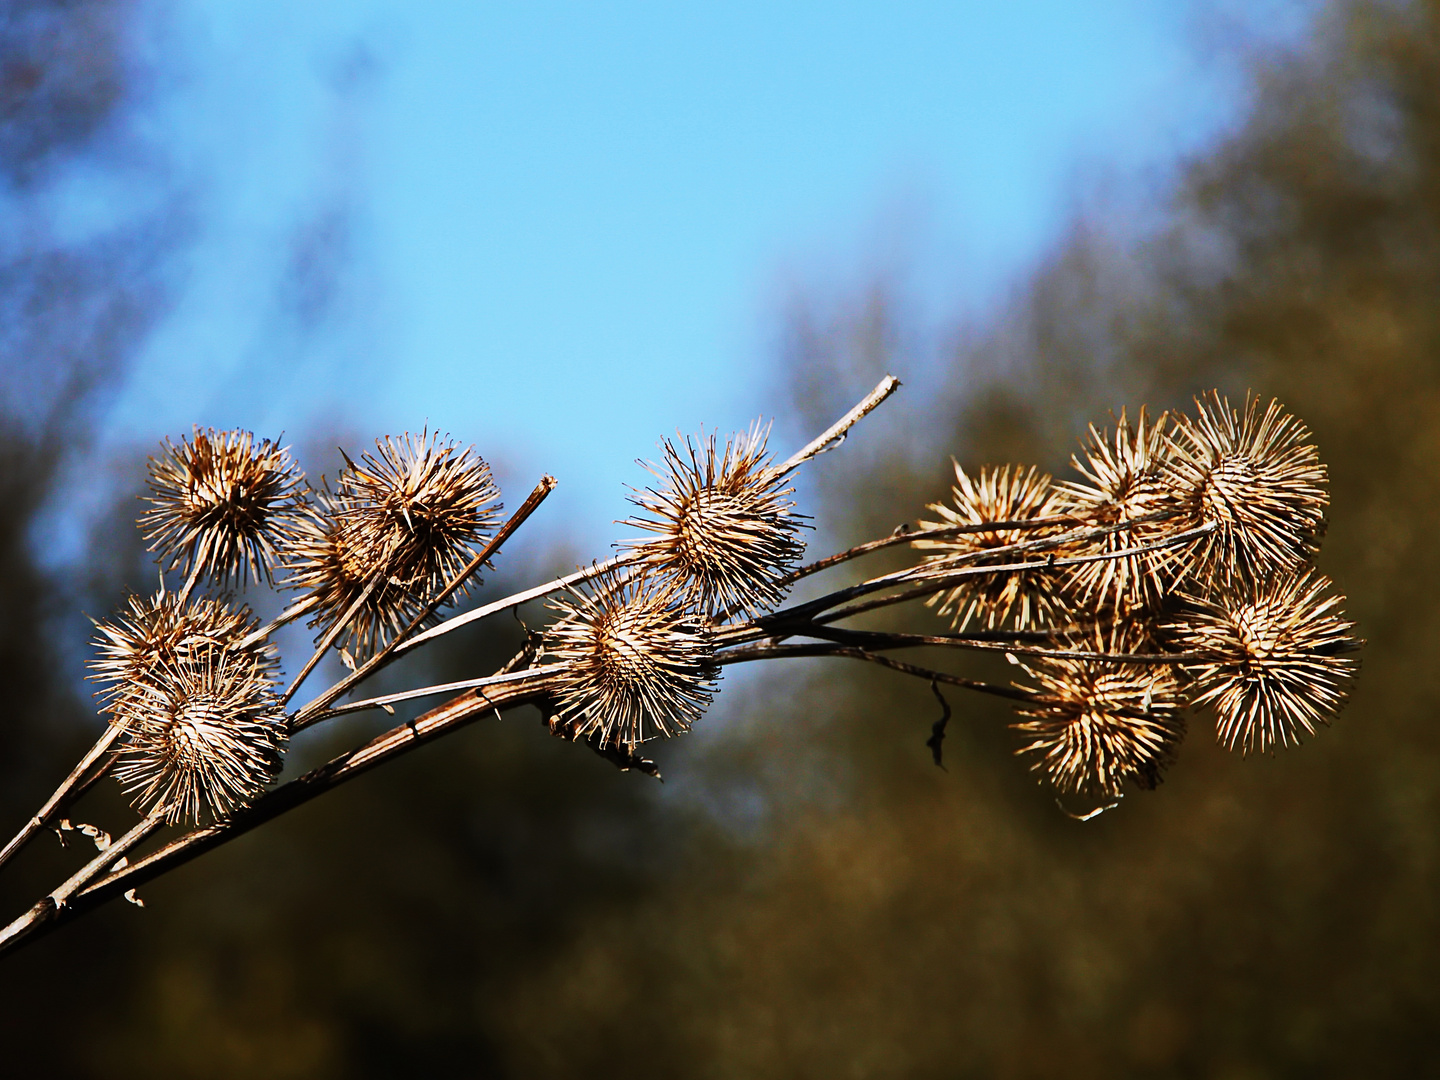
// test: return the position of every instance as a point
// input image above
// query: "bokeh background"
(561, 232)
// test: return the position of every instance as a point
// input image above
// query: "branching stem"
(498, 679)
(310, 712)
(827, 440)
(767, 637)
(909, 536)
(394, 743)
(301, 607)
(45, 916)
(506, 603)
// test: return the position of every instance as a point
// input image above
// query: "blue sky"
(561, 231)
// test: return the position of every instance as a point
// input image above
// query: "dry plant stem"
(400, 740)
(819, 445)
(46, 914)
(309, 714)
(880, 639)
(769, 625)
(909, 537)
(790, 621)
(336, 629)
(779, 652)
(531, 687)
(60, 796)
(514, 601)
(285, 618)
(90, 781)
(965, 565)
(70, 789)
(974, 571)
(807, 629)
(403, 738)
(775, 652)
(498, 679)
(835, 434)
(955, 567)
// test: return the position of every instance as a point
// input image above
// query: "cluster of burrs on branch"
(1174, 570)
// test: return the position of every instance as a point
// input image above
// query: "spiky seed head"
(995, 494)
(1122, 482)
(1098, 723)
(1278, 658)
(206, 737)
(723, 523)
(161, 631)
(334, 563)
(223, 503)
(1257, 477)
(639, 662)
(431, 503)
(410, 516)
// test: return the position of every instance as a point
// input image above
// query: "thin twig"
(909, 536)
(878, 639)
(513, 601)
(960, 573)
(334, 631)
(835, 434)
(958, 566)
(46, 914)
(497, 679)
(979, 554)
(69, 790)
(976, 560)
(289, 615)
(801, 614)
(776, 652)
(1014, 693)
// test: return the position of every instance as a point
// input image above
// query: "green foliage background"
(505, 904)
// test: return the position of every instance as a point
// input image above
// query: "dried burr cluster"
(1177, 571)
(1174, 570)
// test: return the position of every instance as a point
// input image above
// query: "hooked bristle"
(224, 505)
(1122, 471)
(1277, 663)
(1019, 598)
(723, 523)
(203, 738)
(1254, 476)
(638, 662)
(409, 518)
(1098, 723)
